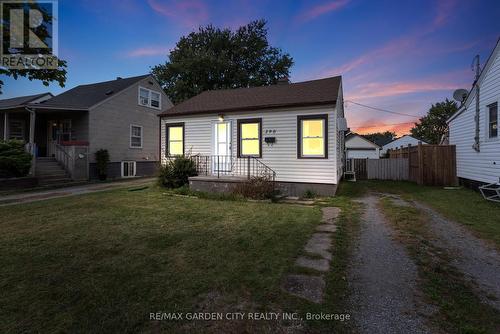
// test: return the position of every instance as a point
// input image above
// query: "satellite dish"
(460, 95)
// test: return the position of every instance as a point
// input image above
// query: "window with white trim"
(493, 120)
(149, 98)
(135, 136)
(128, 168)
(312, 137)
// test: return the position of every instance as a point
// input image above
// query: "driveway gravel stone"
(382, 279)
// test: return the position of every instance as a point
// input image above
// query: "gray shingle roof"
(20, 101)
(85, 96)
(315, 92)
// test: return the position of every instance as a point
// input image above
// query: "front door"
(57, 131)
(52, 135)
(222, 141)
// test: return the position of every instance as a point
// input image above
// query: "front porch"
(59, 135)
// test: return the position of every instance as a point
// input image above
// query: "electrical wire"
(383, 110)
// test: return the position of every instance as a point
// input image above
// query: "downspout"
(32, 139)
(476, 145)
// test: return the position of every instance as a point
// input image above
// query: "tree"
(212, 58)
(380, 138)
(31, 72)
(432, 127)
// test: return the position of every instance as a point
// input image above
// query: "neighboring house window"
(250, 137)
(135, 136)
(493, 120)
(175, 139)
(16, 129)
(312, 139)
(128, 168)
(149, 98)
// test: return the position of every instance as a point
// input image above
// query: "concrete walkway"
(40, 195)
(317, 257)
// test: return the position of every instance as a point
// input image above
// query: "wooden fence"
(387, 169)
(433, 165)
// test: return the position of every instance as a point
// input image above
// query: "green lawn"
(103, 262)
(464, 206)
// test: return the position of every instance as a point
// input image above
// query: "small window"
(149, 98)
(16, 129)
(155, 100)
(175, 139)
(143, 97)
(135, 136)
(250, 137)
(493, 120)
(312, 136)
(128, 168)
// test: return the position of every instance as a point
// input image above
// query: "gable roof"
(352, 135)
(392, 141)
(485, 69)
(307, 93)
(84, 97)
(21, 101)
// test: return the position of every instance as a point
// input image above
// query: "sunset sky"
(396, 55)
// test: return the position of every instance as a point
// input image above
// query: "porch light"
(221, 118)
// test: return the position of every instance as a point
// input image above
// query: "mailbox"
(270, 140)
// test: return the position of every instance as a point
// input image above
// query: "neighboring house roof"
(485, 69)
(84, 97)
(352, 135)
(21, 101)
(307, 93)
(397, 139)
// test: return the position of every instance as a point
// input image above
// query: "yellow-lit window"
(250, 138)
(312, 138)
(175, 139)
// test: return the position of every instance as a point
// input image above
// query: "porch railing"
(74, 160)
(224, 166)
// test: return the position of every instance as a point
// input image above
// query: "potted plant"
(102, 160)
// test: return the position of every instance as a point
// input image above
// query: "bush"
(102, 160)
(309, 194)
(14, 160)
(176, 172)
(260, 187)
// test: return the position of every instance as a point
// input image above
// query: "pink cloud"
(190, 13)
(378, 89)
(319, 10)
(444, 10)
(148, 52)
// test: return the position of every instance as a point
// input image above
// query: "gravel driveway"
(479, 261)
(382, 279)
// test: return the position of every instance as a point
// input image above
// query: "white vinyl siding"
(282, 155)
(483, 166)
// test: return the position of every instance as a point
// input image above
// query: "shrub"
(102, 160)
(309, 194)
(175, 172)
(14, 160)
(259, 187)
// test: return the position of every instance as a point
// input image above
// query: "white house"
(478, 155)
(293, 132)
(401, 141)
(358, 147)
